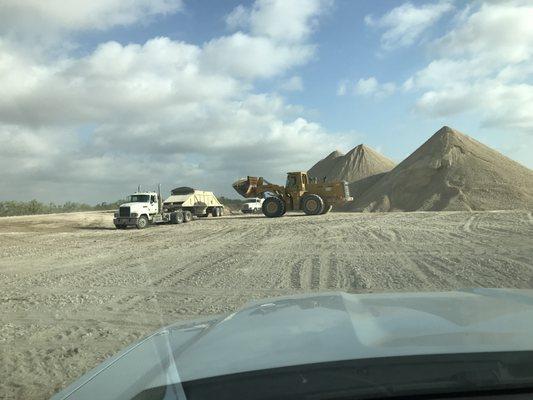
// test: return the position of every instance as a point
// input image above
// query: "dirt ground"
(73, 290)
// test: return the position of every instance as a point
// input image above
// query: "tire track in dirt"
(467, 227)
(130, 282)
(295, 276)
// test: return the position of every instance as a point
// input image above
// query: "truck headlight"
(134, 215)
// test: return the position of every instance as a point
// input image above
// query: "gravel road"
(73, 290)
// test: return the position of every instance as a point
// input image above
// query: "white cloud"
(280, 20)
(272, 37)
(293, 84)
(496, 33)
(113, 82)
(342, 87)
(370, 87)
(252, 57)
(94, 126)
(484, 65)
(38, 16)
(405, 24)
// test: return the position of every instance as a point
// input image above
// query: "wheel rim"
(142, 222)
(272, 207)
(312, 205)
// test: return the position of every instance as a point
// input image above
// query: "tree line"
(33, 207)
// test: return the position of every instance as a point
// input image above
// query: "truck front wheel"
(187, 216)
(142, 222)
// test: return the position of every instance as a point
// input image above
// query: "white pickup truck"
(252, 206)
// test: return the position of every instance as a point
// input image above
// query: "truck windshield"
(139, 198)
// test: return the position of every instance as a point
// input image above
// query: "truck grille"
(124, 212)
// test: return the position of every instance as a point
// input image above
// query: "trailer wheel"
(142, 222)
(273, 207)
(312, 204)
(215, 212)
(176, 217)
(187, 216)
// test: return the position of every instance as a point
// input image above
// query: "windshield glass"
(262, 188)
(139, 198)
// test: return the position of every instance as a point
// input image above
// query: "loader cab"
(297, 181)
(296, 187)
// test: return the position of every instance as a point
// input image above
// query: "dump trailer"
(300, 193)
(144, 208)
(195, 202)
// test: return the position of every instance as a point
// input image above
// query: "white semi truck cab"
(141, 209)
(144, 208)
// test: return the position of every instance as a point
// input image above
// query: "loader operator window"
(291, 182)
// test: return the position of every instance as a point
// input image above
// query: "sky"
(100, 96)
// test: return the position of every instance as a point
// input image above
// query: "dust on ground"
(74, 291)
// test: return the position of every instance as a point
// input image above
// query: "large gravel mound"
(451, 171)
(322, 168)
(359, 163)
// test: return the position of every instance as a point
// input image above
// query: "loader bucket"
(245, 186)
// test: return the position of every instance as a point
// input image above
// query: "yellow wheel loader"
(300, 193)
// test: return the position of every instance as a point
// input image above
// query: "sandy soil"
(73, 290)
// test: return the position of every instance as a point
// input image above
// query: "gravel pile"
(450, 171)
(359, 163)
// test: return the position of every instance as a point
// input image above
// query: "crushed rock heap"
(359, 163)
(450, 171)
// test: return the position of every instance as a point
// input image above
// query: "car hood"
(317, 328)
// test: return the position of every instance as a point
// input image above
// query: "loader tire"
(142, 222)
(327, 208)
(176, 217)
(312, 204)
(187, 216)
(273, 207)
